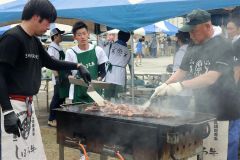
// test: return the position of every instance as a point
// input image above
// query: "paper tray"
(95, 84)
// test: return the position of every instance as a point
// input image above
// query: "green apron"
(88, 59)
(64, 84)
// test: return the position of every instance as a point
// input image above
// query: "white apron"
(216, 144)
(29, 145)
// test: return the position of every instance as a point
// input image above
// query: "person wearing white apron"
(118, 58)
(21, 58)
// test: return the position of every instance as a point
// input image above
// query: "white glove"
(160, 90)
(174, 88)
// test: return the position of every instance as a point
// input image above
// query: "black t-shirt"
(25, 57)
(219, 98)
(23, 53)
(21, 59)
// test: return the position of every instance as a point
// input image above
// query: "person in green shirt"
(93, 57)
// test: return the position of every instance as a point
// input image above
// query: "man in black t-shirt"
(209, 61)
(21, 58)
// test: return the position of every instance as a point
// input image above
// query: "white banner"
(29, 145)
(215, 146)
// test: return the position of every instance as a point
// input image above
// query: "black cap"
(55, 31)
(194, 18)
(124, 36)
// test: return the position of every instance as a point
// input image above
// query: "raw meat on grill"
(126, 110)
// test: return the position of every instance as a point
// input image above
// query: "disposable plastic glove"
(160, 90)
(174, 89)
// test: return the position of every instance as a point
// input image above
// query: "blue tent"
(126, 15)
(150, 29)
(171, 28)
(167, 27)
(4, 29)
(163, 26)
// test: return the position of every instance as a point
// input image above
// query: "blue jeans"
(233, 139)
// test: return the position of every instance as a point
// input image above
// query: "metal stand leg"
(61, 152)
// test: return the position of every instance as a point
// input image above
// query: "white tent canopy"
(162, 26)
(62, 27)
(156, 27)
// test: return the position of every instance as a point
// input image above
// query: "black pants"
(55, 103)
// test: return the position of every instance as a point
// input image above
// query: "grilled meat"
(126, 110)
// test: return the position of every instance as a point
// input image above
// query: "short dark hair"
(42, 8)
(53, 37)
(141, 40)
(124, 36)
(79, 25)
(184, 37)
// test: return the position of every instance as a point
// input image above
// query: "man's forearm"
(60, 65)
(201, 81)
(237, 73)
(179, 75)
(101, 70)
(4, 97)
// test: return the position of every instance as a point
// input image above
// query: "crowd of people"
(155, 45)
(206, 66)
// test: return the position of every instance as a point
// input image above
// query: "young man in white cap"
(59, 80)
(209, 61)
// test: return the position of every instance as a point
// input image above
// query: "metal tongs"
(148, 103)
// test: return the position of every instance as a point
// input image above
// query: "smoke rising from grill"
(210, 63)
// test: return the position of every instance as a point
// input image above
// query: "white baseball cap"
(55, 31)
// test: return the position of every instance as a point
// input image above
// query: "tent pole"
(132, 68)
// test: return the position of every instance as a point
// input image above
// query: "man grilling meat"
(208, 59)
